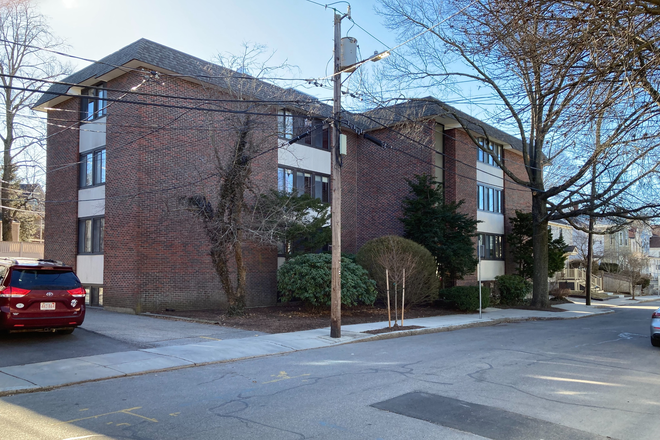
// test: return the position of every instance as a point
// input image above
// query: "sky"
(300, 32)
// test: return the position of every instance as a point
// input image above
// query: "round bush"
(466, 298)
(397, 253)
(308, 279)
(512, 289)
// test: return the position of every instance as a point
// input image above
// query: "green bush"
(512, 289)
(307, 278)
(466, 298)
(396, 254)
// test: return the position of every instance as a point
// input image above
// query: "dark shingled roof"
(421, 108)
(181, 63)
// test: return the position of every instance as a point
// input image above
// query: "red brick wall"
(461, 179)
(156, 252)
(374, 182)
(61, 226)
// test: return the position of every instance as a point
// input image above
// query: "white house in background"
(654, 264)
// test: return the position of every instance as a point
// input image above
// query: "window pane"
(318, 187)
(300, 182)
(480, 197)
(317, 134)
(289, 181)
(87, 240)
(98, 166)
(102, 103)
(95, 235)
(88, 165)
(308, 184)
(490, 199)
(281, 185)
(90, 109)
(100, 296)
(326, 190)
(101, 233)
(326, 139)
(102, 166)
(44, 279)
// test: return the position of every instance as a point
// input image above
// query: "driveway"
(106, 332)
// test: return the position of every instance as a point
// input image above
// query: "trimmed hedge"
(307, 278)
(466, 298)
(512, 289)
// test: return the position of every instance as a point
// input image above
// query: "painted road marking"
(213, 339)
(283, 376)
(121, 411)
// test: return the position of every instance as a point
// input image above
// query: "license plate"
(47, 306)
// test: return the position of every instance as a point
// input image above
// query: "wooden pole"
(335, 221)
(403, 297)
(389, 314)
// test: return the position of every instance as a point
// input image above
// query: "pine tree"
(440, 227)
(520, 242)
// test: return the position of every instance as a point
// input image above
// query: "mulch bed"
(284, 318)
(394, 328)
(292, 317)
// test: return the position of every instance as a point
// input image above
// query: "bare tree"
(25, 69)
(635, 265)
(587, 123)
(235, 211)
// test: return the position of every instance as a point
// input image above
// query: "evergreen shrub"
(512, 289)
(466, 298)
(307, 278)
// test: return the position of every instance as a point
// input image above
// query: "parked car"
(655, 328)
(40, 295)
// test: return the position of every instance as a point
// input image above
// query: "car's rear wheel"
(655, 342)
(68, 331)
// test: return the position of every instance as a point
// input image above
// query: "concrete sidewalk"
(68, 371)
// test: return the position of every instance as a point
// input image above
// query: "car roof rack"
(31, 261)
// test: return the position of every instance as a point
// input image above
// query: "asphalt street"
(107, 332)
(587, 378)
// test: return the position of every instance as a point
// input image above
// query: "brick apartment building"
(124, 148)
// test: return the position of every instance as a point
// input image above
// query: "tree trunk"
(540, 297)
(237, 303)
(590, 259)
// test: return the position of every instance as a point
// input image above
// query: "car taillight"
(656, 315)
(78, 292)
(13, 292)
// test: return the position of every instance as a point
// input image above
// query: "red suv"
(43, 295)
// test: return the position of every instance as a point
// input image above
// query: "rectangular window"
(493, 148)
(491, 246)
(92, 168)
(91, 233)
(316, 185)
(94, 296)
(322, 188)
(94, 102)
(489, 199)
(284, 124)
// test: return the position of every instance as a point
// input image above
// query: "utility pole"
(335, 294)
